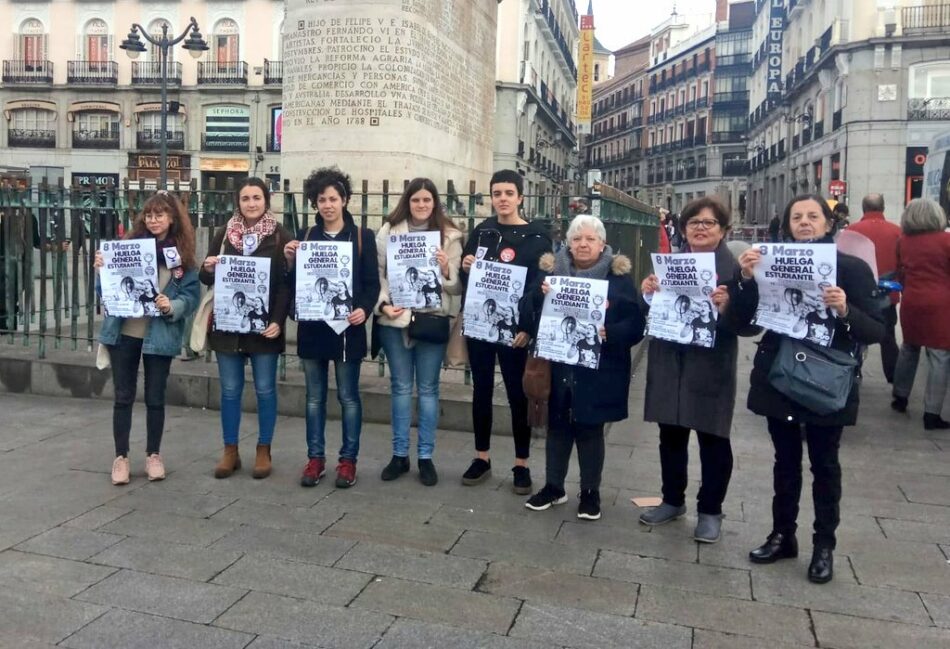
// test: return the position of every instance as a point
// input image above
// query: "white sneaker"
(154, 467)
(120, 470)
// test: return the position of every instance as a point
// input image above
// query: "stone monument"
(389, 89)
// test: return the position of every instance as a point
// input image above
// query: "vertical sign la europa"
(585, 74)
(775, 40)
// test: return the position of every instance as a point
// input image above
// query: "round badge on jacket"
(507, 255)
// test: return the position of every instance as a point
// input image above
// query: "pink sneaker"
(154, 467)
(120, 471)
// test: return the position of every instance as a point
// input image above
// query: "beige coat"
(451, 286)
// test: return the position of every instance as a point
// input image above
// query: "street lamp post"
(133, 46)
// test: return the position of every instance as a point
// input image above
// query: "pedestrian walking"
(154, 341)
(318, 343)
(858, 321)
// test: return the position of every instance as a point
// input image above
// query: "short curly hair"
(719, 210)
(323, 178)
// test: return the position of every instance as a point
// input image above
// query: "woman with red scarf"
(253, 231)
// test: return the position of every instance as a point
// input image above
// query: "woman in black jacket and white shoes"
(583, 399)
(858, 321)
(329, 191)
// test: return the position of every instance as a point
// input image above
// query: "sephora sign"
(774, 48)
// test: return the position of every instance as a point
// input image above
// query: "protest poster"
(242, 294)
(491, 302)
(571, 318)
(129, 278)
(791, 278)
(682, 310)
(324, 281)
(415, 281)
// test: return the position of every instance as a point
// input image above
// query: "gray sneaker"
(664, 513)
(708, 528)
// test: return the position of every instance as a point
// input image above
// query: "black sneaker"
(899, 404)
(521, 483)
(478, 472)
(549, 495)
(396, 467)
(589, 509)
(427, 473)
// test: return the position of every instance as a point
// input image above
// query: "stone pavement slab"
(478, 611)
(50, 575)
(415, 565)
(42, 618)
(704, 639)
(938, 606)
(165, 526)
(285, 544)
(303, 580)
(539, 554)
(69, 543)
(131, 630)
(165, 558)
(920, 567)
(677, 574)
(845, 632)
(172, 597)
(413, 634)
(395, 531)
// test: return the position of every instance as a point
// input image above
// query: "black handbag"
(429, 328)
(817, 378)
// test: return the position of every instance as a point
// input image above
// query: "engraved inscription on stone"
(406, 62)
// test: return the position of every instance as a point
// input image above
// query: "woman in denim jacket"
(156, 340)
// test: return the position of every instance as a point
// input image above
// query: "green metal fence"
(49, 235)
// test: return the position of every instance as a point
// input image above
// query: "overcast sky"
(620, 22)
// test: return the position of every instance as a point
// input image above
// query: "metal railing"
(222, 72)
(152, 140)
(92, 72)
(935, 17)
(35, 138)
(930, 108)
(273, 73)
(232, 144)
(150, 72)
(17, 71)
(50, 234)
(106, 139)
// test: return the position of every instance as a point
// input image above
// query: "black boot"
(777, 546)
(822, 566)
(935, 422)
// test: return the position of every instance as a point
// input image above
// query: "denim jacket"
(164, 334)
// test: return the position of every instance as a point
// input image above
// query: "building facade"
(536, 93)
(76, 107)
(615, 146)
(845, 98)
(695, 110)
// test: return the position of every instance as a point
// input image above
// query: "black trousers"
(124, 357)
(889, 349)
(589, 439)
(481, 358)
(823, 443)
(715, 456)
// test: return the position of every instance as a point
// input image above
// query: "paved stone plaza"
(194, 562)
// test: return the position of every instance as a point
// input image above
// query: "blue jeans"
(231, 373)
(424, 360)
(348, 394)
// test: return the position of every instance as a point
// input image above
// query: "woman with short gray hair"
(923, 257)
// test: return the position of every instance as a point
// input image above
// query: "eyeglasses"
(704, 224)
(155, 216)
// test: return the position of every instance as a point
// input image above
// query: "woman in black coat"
(694, 388)
(858, 321)
(583, 399)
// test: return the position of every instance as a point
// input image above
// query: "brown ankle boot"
(262, 464)
(229, 463)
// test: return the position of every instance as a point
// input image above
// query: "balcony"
(836, 120)
(107, 139)
(92, 73)
(923, 20)
(16, 72)
(547, 17)
(273, 73)
(931, 108)
(806, 136)
(239, 143)
(224, 73)
(273, 144)
(795, 142)
(150, 73)
(727, 137)
(734, 64)
(152, 140)
(819, 129)
(781, 149)
(699, 139)
(727, 100)
(21, 137)
(735, 167)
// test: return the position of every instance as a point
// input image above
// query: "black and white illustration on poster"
(413, 271)
(241, 294)
(791, 278)
(129, 278)
(324, 271)
(571, 318)
(682, 310)
(491, 302)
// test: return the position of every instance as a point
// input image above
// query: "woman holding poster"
(156, 340)
(419, 210)
(505, 238)
(252, 232)
(341, 335)
(858, 320)
(692, 386)
(588, 394)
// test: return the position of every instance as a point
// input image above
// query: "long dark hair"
(252, 182)
(181, 229)
(822, 203)
(437, 221)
